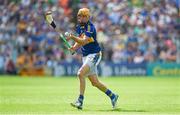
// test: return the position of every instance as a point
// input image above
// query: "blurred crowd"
(129, 31)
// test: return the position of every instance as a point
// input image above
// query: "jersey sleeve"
(89, 33)
(90, 30)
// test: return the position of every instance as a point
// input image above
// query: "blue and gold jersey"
(90, 31)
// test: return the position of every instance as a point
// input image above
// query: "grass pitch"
(52, 95)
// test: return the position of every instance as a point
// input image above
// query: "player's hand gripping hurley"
(50, 21)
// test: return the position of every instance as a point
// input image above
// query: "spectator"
(10, 67)
(2, 60)
(138, 58)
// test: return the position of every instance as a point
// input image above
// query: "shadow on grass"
(122, 110)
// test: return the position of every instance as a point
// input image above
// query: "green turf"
(50, 95)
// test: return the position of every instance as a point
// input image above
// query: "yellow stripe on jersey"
(90, 40)
(89, 29)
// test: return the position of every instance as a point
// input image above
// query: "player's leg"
(81, 75)
(95, 82)
(93, 77)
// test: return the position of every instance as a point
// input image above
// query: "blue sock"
(110, 94)
(81, 97)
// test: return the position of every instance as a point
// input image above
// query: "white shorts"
(92, 60)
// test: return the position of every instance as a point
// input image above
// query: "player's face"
(82, 19)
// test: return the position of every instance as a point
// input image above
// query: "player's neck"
(83, 24)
